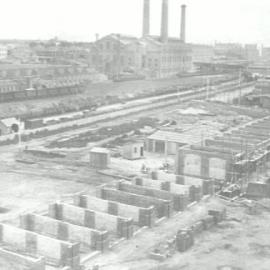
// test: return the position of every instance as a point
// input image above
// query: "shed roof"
(99, 150)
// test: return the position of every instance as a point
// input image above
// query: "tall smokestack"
(146, 18)
(164, 21)
(183, 24)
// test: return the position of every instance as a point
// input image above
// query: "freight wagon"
(40, 93)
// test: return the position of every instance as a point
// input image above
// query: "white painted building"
(3, 52)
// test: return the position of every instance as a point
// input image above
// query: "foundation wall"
(88, 238)
(14, 261)
(56, 252)
(204, 164)
(189, 180)
(162, 185)
(161, 175)
(178, 200)
(163, 208)
(141, 216)
(93, 219)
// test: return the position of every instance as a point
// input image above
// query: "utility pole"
(207, 87)
(240, 83)
(118, 55)
(178, 94)
(247, 168)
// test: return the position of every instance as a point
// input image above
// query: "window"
(135, 150)
(149, 62)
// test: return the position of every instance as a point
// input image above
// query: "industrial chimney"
(146, 18)
(183, 24)
(164, 21)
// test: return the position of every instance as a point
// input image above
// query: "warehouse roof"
(170, 136)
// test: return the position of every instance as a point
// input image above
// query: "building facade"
(202, 53)
(151, 56)
(266, 54)
(251, 52)
(116, 54)
(3, 52)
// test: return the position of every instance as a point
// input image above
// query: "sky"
(243, 21)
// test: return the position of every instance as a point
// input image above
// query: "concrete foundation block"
(74, 263)
(100, 241)
(219, 215)
(208, 222)
(27, 222)
(189, 238)
(195, 193)
(167, 209)
(147, 217)
(63, 232)
(70, 256)
(208, 187)
(180, 202)
(180, 180)
(137, 181)
(198, 227)
(124, 228)
(181, 242)
(113, 208)
(166, 186)
(55, 211)
(31, 242)
(89, 219)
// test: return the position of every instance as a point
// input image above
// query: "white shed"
(133, 150)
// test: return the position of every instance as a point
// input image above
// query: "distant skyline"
(241, 21)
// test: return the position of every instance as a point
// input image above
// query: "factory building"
(151, 56)
(266, 54)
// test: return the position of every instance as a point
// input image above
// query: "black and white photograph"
(135, 135)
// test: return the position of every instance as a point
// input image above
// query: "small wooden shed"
(133, 150)
(99, 158)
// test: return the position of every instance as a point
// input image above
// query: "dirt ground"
(31, 187)
(241, 242)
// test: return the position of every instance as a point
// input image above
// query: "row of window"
(8, 89)
(109, 46)
(146, 62)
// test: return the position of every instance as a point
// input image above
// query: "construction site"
(155, 174)
(163, 179)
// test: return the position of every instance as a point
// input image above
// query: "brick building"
(153, 56)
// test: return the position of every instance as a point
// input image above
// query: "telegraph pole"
(240, 83)
(207, 87)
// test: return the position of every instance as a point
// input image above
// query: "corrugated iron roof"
(171, 136)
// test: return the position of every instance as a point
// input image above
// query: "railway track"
(130, 108)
